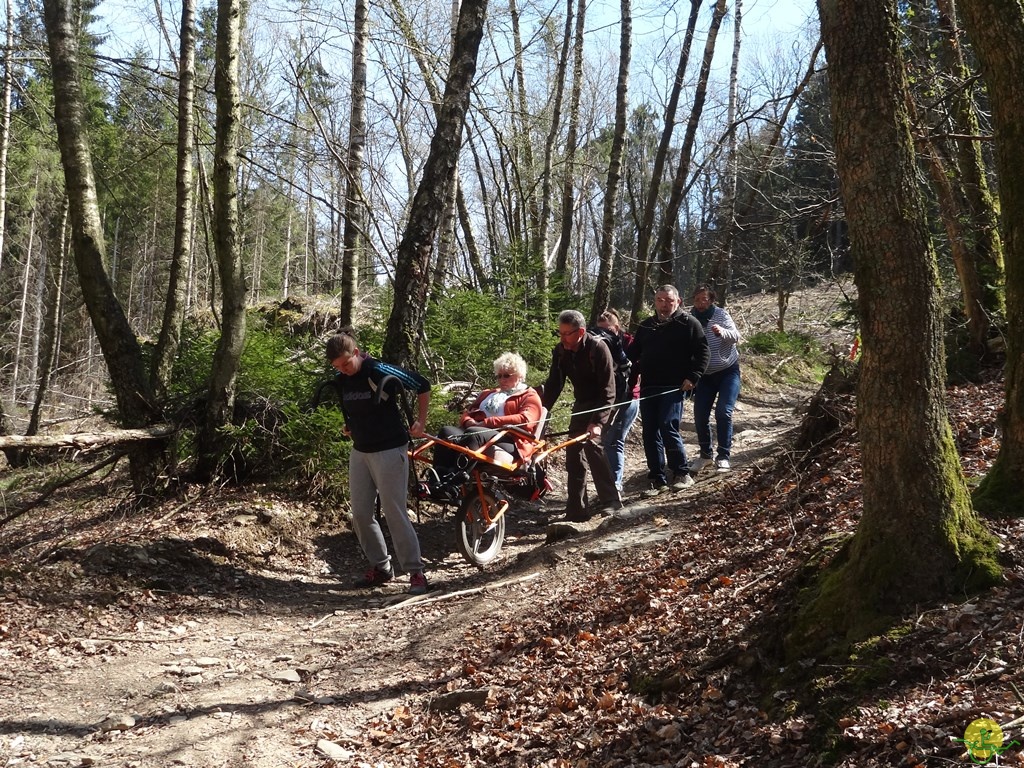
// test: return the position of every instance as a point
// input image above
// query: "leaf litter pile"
(665, 655)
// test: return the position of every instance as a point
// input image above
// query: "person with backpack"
(378, 464)
(627, 405)
(586, 362)
(669, 354)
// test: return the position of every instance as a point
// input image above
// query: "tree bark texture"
(602, 290)
(996, 29)
(981, 235)
(354, 207)
(560, 276)
(120, 347)
(646, 230)
(412, 274)
(174, 303)
(224, 372)
(918, 538)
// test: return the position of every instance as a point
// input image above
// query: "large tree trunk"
(996, 28)
(412, 275)
(602, 291)
(918, 538)
(224, 372)
(121, 349)
(174, 306)
(461, 206)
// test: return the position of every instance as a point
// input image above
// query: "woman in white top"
(721, 381)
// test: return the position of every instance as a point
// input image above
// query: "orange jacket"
(523, 409)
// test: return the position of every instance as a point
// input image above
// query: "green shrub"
(314, 452)
(782, 343)
(466, 330)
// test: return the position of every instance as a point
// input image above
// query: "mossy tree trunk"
(984, 296)
(996, 28)
(918, 538)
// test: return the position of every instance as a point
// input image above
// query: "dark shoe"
(610, 509)
(374, 577)
(577, 517)
(418, 584)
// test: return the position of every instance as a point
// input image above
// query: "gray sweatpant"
(386, 473)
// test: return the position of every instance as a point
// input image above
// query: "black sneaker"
(374, 577)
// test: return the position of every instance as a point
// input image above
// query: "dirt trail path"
(224, 661)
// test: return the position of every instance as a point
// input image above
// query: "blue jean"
(660, 411)
(725, 386)
(613, 438)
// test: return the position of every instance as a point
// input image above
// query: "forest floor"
(217, 629)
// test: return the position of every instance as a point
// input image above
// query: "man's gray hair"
(572, 317)
(669, 289)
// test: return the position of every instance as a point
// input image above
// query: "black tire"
(479, 542)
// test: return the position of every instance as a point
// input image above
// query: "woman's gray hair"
(572, 317)
(510, 361)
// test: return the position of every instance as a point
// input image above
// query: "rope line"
(487, 430)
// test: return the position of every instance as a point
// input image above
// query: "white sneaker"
(698, 464)
(722, 465)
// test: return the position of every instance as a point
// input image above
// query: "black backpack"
(620, 362)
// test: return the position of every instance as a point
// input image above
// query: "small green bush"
(782, 343)
(466, 330)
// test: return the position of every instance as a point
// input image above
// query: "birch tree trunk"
(560, 275)
(732, 167)
(5, 123)
(224, 373)
(181, 255)
(354, 208)
(918, 539)
(602, 291)
(120, 347)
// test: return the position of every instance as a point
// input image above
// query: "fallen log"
(86, 441)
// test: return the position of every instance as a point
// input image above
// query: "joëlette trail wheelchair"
(483, 487)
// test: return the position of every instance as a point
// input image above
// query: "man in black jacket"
(585, 361)
(670, 353)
